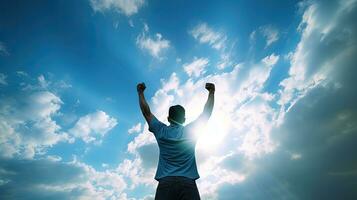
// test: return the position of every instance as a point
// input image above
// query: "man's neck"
(174, 123)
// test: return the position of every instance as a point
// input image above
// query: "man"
(177, 170)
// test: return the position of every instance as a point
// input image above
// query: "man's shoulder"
(156, 125)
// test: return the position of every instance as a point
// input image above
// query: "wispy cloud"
(270, 33)
(206, 35)
(135, 129)
(42, 82)
(196, 67)
(153, 45)
(127, 7)
(217, 40)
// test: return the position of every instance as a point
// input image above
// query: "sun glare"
(211, 135)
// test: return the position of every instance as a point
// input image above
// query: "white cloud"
(162, 97)
(27, 124)
(154, 45)
(127, 7)
(206, 35)
(28, 127)
(29, 120)
(142, 139)
(92, 126)
(44, 105)
(3, 79)
(270, 60)
(148, 197)
(135, 129)
(225, 60)
(214, 174)
(41, 83)
(136, 173)
(256, 119)
(270, 33)
(257, 75)
(62, 84)
(312, 60)
(108, 179)
(54, 158)
(196, 67)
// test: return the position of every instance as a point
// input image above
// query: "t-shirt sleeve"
(155, 125)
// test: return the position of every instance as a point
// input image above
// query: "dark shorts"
(177, 188)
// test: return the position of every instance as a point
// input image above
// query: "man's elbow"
(148, 117)
(206, 115)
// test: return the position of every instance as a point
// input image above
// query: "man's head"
(176, 114)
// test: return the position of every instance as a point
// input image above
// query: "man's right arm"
(145, 109)
(154, 124)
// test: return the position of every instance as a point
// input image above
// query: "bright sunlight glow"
(212, 135)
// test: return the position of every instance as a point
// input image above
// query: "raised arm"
(205, 115)
(145, 109)
(207, 111)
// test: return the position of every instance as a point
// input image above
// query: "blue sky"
(284, 122)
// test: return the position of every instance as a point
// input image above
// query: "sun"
(211, 135)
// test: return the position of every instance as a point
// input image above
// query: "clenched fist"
(210, 87)
(140, 87)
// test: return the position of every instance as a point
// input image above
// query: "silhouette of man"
(176, 170)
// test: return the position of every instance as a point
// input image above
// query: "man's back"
(177, 150)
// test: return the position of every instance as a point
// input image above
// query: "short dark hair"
(177, 113)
